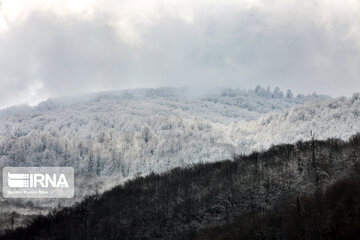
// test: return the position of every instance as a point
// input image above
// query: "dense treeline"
(332, 214)
(287, 192)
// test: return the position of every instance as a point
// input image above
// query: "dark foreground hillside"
(309, 190)
(332, 214)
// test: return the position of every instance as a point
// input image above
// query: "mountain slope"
(177, 204)
(124, 135)
(129, 132)
(111, 137)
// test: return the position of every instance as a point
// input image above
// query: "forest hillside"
(306, 190)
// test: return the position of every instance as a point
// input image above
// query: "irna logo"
(38, 182)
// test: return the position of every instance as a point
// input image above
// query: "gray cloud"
(49, 54)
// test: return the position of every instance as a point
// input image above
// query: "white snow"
(121, 134)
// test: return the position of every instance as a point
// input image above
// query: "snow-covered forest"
(126, 133)
(306, 190)
(111, 137)
(139, 131)
(152, 130)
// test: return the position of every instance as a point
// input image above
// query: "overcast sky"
(51, 48)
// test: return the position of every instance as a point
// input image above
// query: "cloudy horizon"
(54, 48)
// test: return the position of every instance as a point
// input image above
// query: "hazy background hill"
(139, 131)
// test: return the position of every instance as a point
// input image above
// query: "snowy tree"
(277, 93)
(289, 94)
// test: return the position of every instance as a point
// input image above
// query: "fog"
(52, 48)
